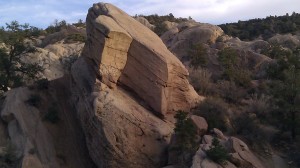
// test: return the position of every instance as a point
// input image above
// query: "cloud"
(43, 12)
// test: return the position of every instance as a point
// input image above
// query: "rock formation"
(124, 76)
(128, 53)
(240, 154)
(180, 38)
(28, 134)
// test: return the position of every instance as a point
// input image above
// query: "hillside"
(265, 28)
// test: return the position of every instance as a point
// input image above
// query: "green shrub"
(260, 105)
(233, 69)
(217, 152)
(185, 131)
(215, 111)
(34, 100)
(52, 114)
(229, 91)
(198, 55)
(201, 80)
(72, 38)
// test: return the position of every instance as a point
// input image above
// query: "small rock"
(200, 123)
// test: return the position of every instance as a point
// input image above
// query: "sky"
(42, 13)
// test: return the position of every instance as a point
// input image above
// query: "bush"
(217, 152)
(185, 131)
(34, 100)
(52, 114)
(230, 92)
(72, 38)
(201, 81)
(215, 111)
(198, 55)
(260, 105)
(233, 70)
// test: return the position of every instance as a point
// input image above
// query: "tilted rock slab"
(124, 76)
(129, 53)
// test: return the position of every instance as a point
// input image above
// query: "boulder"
(169, 25)
(244, 154)
(179, 39)
(124, 83)
(219, 134)
(198, 158)
(145, 22)
(200, 123)
(121, 47)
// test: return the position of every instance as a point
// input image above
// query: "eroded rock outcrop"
(55, 59)
(129, 53)
(180, 38)
(124, 76)
(29, 136)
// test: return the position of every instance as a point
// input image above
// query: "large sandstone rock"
(127, 52)
(28, 135)
(124, 76)
(119, 132)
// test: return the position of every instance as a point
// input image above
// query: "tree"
(285, 88)
(217, 152)
(14, 71)
(233, 70)
(185, 131)
(198, 55)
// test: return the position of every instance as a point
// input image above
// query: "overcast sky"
(41, 13)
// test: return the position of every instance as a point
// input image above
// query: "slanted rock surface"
(127, 52)
(124, 83)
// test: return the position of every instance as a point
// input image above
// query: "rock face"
(129, 53)
(28, 134)
(55, 58)
(124, 76)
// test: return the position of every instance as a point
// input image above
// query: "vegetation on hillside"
(266, 28)
(14, 71)
(157, 21)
